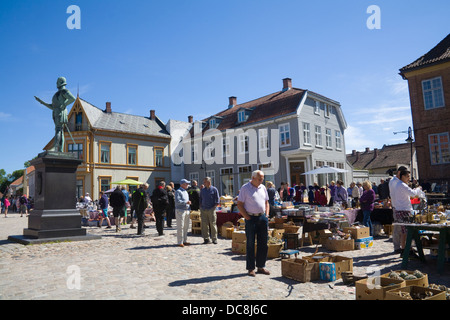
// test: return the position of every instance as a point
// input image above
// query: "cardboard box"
(227, 232)
(238, 236)
(364, 243)
(375, 288)
(299, 270)
(341, 263)
(421, 282)
(358, 233)
(394, 294)
(339, 245)
(273, 250)
(239, 247)
(327, 271)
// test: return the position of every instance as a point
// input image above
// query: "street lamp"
(410, 141)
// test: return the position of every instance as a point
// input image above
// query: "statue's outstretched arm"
(42, 102)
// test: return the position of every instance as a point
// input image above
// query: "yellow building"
(116, 146)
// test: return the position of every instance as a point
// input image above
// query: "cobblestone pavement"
(126, 266)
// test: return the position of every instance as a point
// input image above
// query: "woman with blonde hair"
(367, 204)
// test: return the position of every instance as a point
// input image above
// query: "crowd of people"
(16, 204)
(396, 193)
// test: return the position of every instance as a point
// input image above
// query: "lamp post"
(410, 141)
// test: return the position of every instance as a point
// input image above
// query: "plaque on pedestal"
(54, 217)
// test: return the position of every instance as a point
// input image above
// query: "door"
(296, 169)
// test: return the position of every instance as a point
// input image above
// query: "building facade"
(429, 90)
(309, 133)
(116, 146)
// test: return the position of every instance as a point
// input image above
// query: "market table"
(413, 233)
(381, 215)
(223, 217)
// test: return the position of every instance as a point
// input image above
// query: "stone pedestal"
(54, 217)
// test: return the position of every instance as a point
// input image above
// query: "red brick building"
(429, 90)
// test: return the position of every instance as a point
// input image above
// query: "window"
(242, 117)
(317, 107)
(212, 175)
(193, 176)
(79, 190)
(433, 96)
(318, 135)
(105, 183)
(263, 139)
(306, 133)
(78, 121)
(268, 170)
(328, 137)
(194, 153)
(77, 149)
(439, 148)
(243, 143)
(245, 175)
(327, 110)
(340, 175)
(132, 154)
(226, 146)
(209, 151)
(338, 139)
(213, 123)
(285, 134)
(105, 152)
(227, 181)
(159, 157)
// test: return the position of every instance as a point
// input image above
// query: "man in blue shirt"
(209, 200)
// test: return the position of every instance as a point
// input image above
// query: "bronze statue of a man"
(59, 104)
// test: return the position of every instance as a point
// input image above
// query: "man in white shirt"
(396, 232)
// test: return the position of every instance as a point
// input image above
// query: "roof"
(274, 105)
(122, 122)
(439, 54)
(387, 157)
(19, 180)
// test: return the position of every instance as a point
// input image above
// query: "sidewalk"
(126, 266)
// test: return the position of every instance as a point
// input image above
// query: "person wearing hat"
(182, 211)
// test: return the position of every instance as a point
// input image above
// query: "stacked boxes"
(361, 235)
(196, 222)
(310, 268)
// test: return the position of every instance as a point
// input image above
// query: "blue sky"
(186, 57)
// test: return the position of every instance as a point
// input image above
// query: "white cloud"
(357, 139)
(5, 116)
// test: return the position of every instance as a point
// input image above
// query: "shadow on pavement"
(179, 283)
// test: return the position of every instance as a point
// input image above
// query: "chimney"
(232, 102)
(353, 152)
(357, 155)
(152, 115)
(108, 107)
(367, 150)
(375, 153)
(190, 119)
(287, 84)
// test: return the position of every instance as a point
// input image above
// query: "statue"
(59, 104)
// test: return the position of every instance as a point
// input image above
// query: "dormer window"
(242, 116)
(212, 123)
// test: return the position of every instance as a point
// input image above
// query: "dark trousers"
(159, 216)
(256, 227)
(140, 221)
